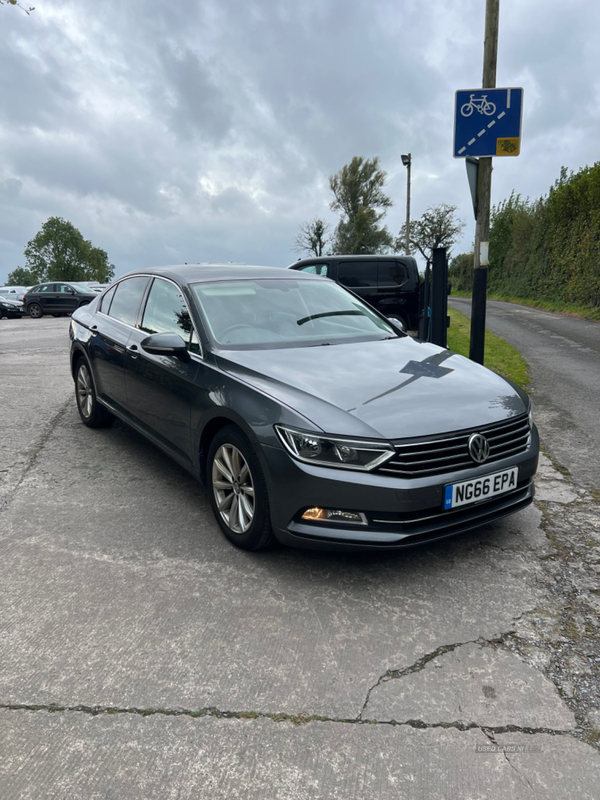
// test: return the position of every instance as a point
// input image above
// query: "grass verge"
(498, 354)
(569, 310)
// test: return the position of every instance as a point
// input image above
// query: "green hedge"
(545, 249)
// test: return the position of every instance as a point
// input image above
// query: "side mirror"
(397, 324)
(166, 344)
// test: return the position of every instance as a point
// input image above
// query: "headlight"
(330, 451)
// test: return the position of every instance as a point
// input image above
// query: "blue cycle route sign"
(487, 122)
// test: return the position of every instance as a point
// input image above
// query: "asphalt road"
(563, 354)
(143, 657)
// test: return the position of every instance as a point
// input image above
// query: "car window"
(65, 288)
(316, 269)
(194, 344)
(166, 312)
(391, 273)
(47, 287)
(126, 299)
(356, 274)
(107, 300)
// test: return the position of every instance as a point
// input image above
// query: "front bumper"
(400, 513)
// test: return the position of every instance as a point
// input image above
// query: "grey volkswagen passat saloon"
(309, 417)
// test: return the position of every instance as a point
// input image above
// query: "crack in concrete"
(296, 719)
(421, 663)
(489, 732)
(37, 449)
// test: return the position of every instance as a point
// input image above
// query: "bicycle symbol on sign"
(481, 104)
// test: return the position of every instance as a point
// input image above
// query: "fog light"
(335, 515)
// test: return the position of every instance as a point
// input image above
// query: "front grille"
(437, 455)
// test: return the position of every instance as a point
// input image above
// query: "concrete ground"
(142, 656)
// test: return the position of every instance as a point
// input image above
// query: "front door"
(66, 299)
(160, 388)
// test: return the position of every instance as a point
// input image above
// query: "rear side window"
(107, 300)
(392, 273)
(126, 299)
(355, 274)
(166, 312)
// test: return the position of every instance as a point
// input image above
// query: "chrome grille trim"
(427, 457)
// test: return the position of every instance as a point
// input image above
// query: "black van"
(388, 283)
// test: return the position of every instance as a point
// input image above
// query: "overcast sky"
(202, 130)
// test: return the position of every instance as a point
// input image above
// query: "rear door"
(46, 297)
(392, 278)
(118, 314)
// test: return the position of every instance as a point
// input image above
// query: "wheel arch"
(76, 354)
(221, 419)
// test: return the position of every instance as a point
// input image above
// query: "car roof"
(196, 273)
(362, 257)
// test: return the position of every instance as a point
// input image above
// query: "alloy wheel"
(233, 488)
(84, 391)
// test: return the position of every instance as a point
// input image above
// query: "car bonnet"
(392, 389)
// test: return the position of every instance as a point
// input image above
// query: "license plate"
(477, 489)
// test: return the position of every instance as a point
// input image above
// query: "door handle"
(133, 350)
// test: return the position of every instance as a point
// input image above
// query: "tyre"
(35, 310)
(91, 412)
(237, 489)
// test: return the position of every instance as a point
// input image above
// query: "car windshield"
(273, 312)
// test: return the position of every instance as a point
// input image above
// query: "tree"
(460, 272)
(312, 237)
(438, 227)
(97, 266)
(58, 252)
(22, 277)
(359, 197)
(16, 3)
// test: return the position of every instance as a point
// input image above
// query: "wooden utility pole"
(484, 192)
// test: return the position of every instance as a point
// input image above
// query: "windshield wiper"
(330, 314)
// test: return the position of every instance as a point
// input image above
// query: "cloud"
(207, 130)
